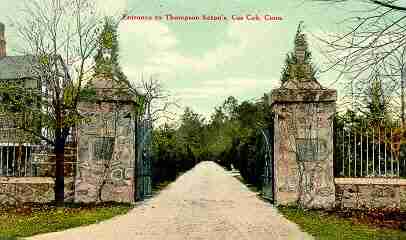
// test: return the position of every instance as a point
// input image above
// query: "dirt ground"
(204, 203)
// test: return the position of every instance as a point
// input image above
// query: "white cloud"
(220, 89)
(112, 7)
(145, 46)
(237, 62)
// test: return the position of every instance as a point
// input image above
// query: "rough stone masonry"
(106, 146)
(303, 136)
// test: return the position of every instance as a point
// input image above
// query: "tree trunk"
(402, 94)
(59, 171)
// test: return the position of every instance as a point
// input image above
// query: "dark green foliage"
(377, 105)
(177, 149)
(231, 138)
(236, 140)
(88, 94)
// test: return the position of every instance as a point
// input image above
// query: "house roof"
(16, 67)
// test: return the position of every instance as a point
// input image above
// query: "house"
(104, 163)
(14, 143)
(20, 153)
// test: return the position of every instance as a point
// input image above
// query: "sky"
(201, 63)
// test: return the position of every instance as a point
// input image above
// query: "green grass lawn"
(28, 221)
(327, 226)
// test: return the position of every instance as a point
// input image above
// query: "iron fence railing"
(20, 160)
(364, 150)
(21, 155)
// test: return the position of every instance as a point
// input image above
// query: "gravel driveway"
(204, 203)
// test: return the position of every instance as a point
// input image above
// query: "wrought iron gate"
(267, 155)
(144, 158)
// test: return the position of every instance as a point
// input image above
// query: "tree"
(62, 36)
(230, 107)
(217, 118)
(157, 100)
(166, 153)
(394, 5)
(177, 147)
(191, 129)
(377, 105)
(397, 77)
(374, 42)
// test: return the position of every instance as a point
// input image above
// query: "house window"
(16, 161)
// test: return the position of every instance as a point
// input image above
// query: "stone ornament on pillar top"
(301, 85)
(300, 48)
(300, 45)
(300, 72)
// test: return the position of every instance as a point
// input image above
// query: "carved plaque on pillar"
(311, 149)
(103, 148)
(307, 149)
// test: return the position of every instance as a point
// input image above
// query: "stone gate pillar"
(106, 145)
(303, 137)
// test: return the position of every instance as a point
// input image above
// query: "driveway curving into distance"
(204, 203)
